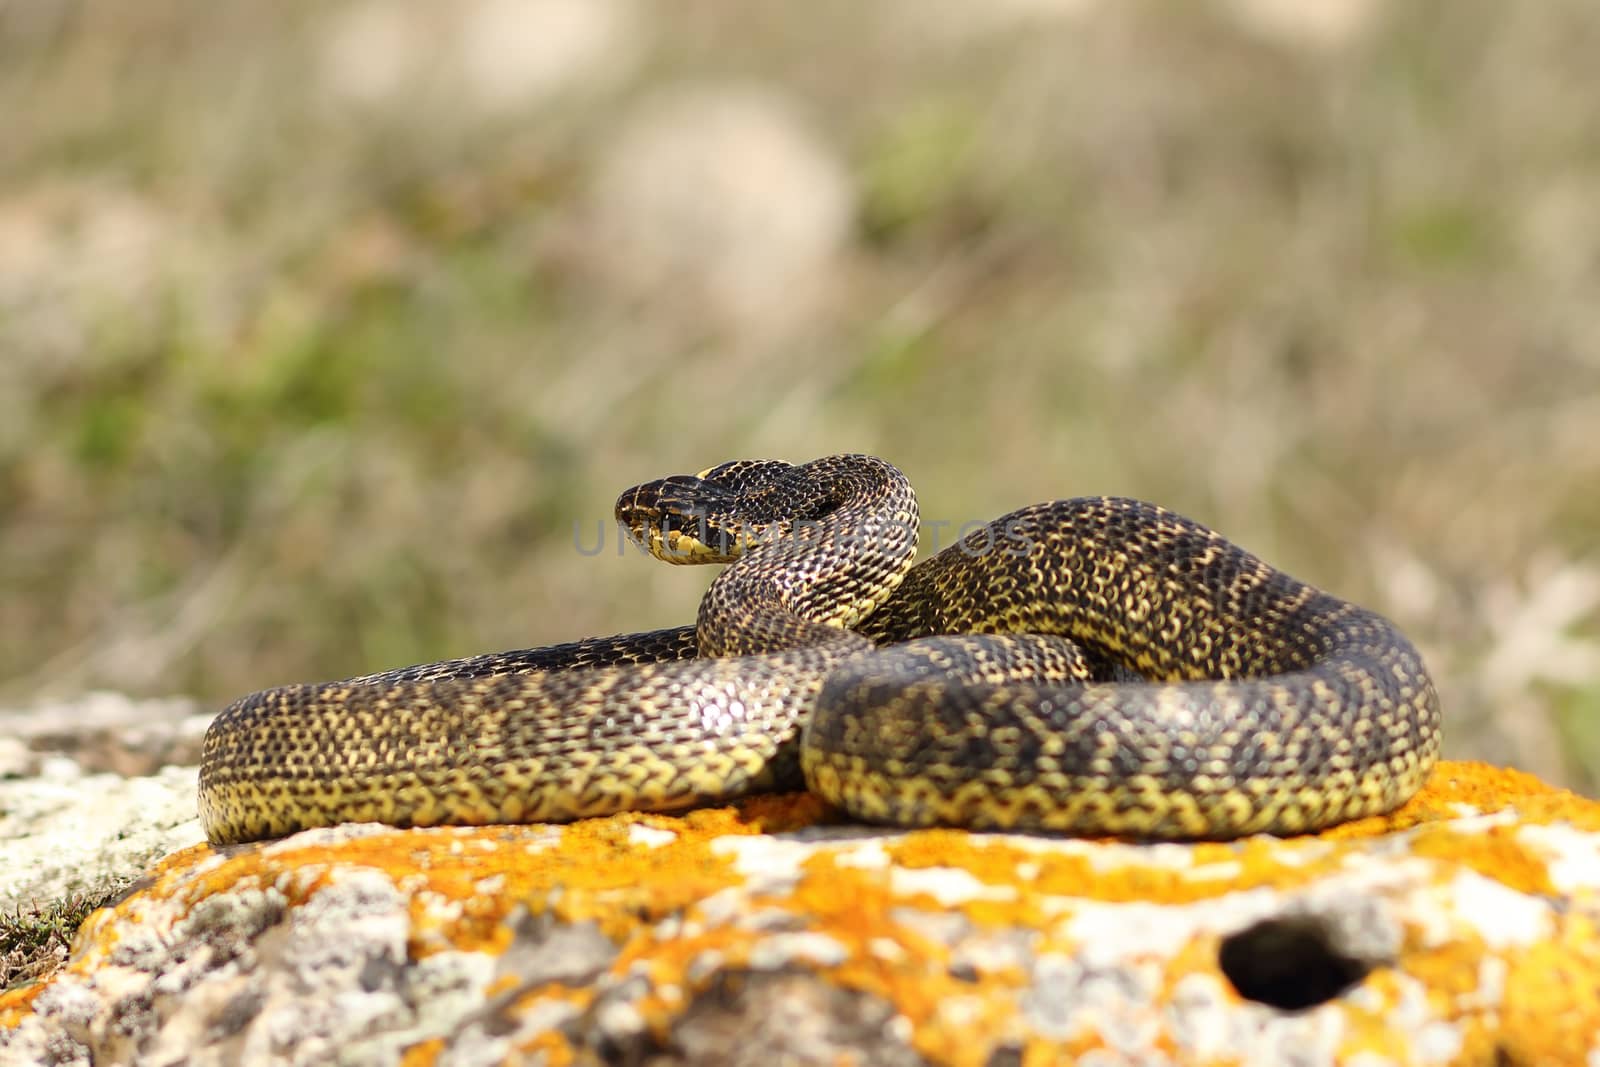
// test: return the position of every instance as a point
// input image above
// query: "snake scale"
(1092, 666)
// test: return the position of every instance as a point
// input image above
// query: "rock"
(92, 791)
(1464, 928)
(17, 760)
(65, 831)
(106, 732)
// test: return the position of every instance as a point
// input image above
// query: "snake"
(1093, 666)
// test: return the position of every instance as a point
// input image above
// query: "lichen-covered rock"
(92, 791)
(1465, 928)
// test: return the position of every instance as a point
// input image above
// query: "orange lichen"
(857, 906)
(505, 983)
(645, 881)
(1552, 1005)
(1366, 1028)
(1197, 955)
(880, 954)
(423, 1053)
(1215, 870)
(549, 1048)
(1483, 788)
(589, 870)
(887, 956)
(1453, 975)
(1040, 1053)
(1446, 970)
(14, 1003)
(1493, 852)
(1265, 861)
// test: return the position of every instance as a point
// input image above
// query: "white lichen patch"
(325, 837)
(649, 836)
(1125, 931)
(1101, 855)
(67, 831)
(765, 861)
(1572, 856)
(739, 910)
(867, 855)
(947, 885)
(440, 912)
(814, 949)
(1503, 917)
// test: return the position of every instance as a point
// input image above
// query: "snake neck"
(820, 577)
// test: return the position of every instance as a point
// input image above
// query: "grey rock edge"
(91, 793)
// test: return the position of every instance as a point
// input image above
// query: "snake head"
(714, 516)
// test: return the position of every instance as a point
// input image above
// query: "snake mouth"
(684, 547)
(684, 519)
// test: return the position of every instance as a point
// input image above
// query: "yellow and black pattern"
(1265, 704)
(1089, 666)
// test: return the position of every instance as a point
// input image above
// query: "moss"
(35, 939)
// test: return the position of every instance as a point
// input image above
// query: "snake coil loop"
(1096, 666)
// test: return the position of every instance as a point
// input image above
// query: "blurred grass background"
(330, 331)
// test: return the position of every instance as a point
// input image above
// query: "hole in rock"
(1288, 963)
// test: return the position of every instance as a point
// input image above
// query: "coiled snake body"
(1096, 665)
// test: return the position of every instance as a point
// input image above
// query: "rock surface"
(93, 791)
(1463, 929)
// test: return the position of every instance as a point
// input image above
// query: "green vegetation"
(301, 380)
(35, 939)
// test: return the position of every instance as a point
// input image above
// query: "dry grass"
(35, 939)
(297, 385)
